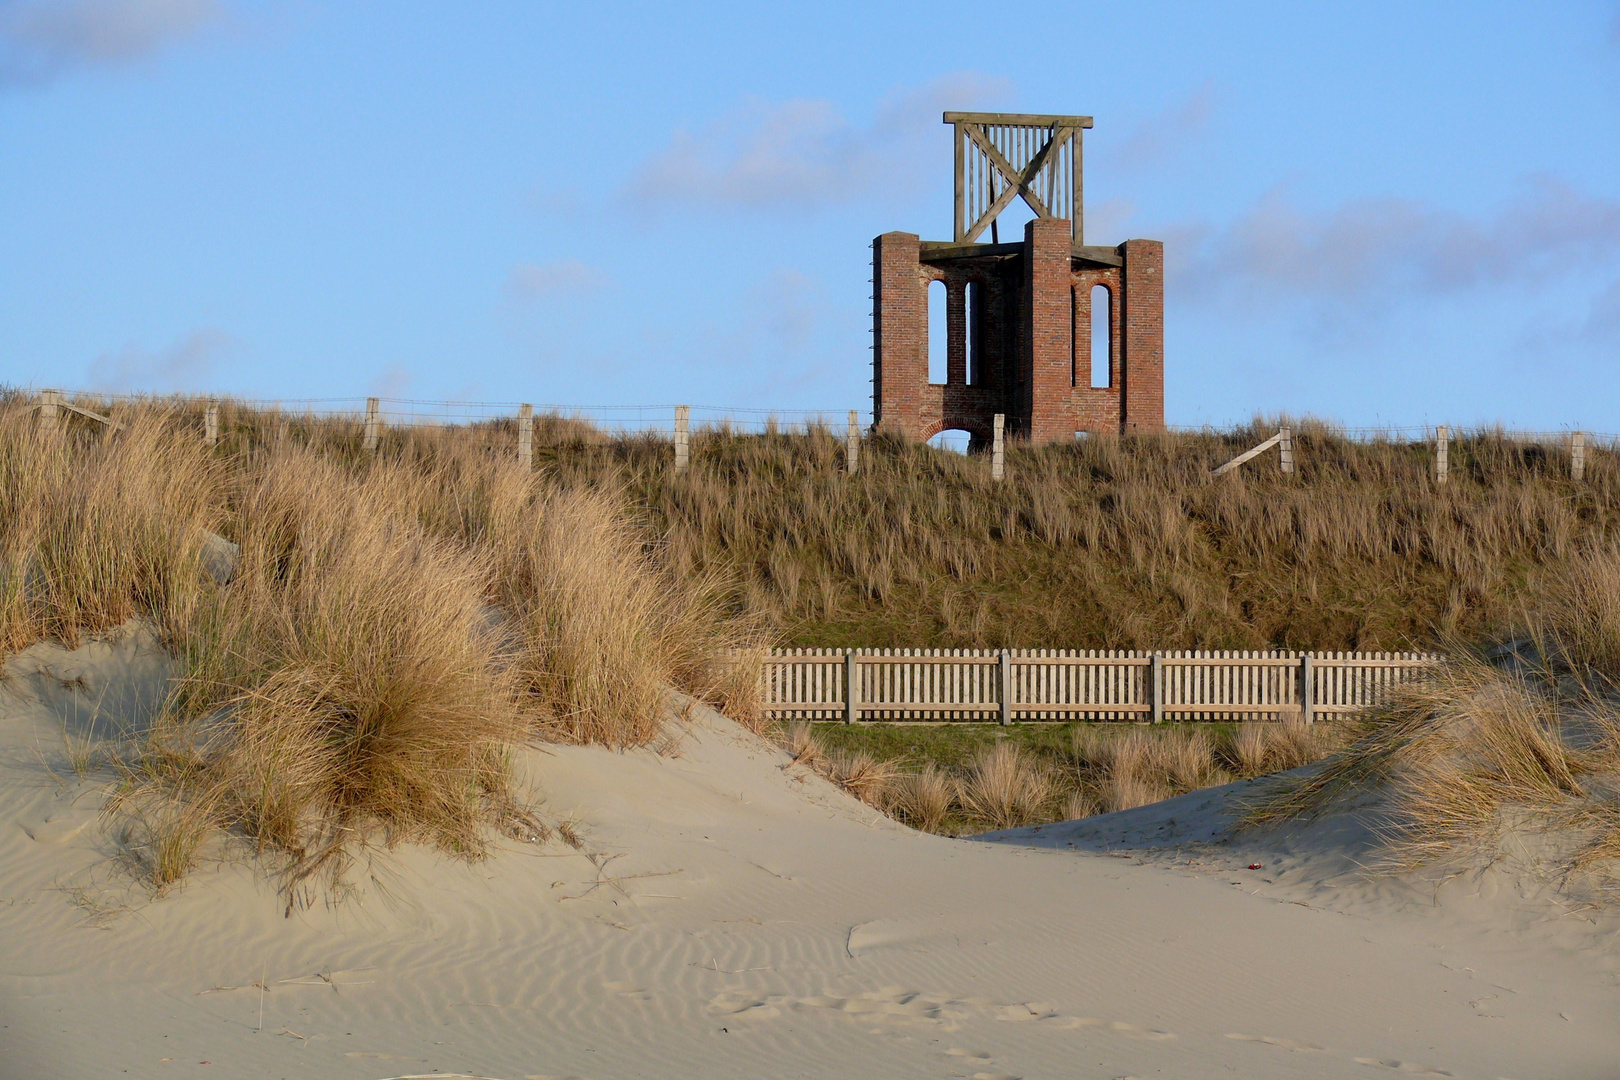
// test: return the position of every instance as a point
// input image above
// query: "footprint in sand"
(1278, 1041)
(1410, 1068)
(1130, 1031)
(629, 990)
(978, 1055)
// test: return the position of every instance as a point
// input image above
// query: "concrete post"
(526, 435)
(373, 435)
(998, 446)
(852, 443)
(683, 419)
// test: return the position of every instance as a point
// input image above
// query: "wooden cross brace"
(1047, 135)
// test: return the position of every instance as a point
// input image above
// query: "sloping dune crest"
(731, 915)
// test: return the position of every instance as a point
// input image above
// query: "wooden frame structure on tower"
(1003, 156)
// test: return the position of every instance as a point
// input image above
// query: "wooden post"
(852, 689)
(1442, 451)
(1307, 706)
(50, 411)
(1285, 444)
(852, 442)
(1155, 688)
(998, 448)
(526, 435)
(1006, 688)
(373, 426)
(1577, 455)
(211, 424)
(683, 419)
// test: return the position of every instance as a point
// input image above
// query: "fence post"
(852, 689)
(49, 410)
(1156, 687)
(998, 448)
(1307, 704)
(211, 424)
(1006, 688)
(683, 419)
(526, 435)
(1285, 444)
(1442, 451)
(852, 442)
(373, 426)
(1577, 455)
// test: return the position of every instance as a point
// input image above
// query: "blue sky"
(1380, 214)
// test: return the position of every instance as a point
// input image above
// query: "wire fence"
(423, 413)
(660, 418)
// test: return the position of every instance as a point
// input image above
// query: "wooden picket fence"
(1008, 685)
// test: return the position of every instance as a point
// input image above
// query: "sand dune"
(735, 916)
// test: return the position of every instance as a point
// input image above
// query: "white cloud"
(1369, 252)
(1158, 138)
(805, 154)
(530, 281)
(184, 365)
(41, 39)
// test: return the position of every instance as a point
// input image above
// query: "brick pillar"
(1141, 303)
(899, 326)
(1050, 330)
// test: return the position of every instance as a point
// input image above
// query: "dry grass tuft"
(862, 776)
(395, 625)
(923, 799)
(1005, 788)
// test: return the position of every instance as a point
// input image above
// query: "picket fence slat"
(941, 685)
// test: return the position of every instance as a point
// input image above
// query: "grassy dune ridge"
(399, 621)
(1109, 542)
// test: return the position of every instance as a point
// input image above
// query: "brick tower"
(1018, 316)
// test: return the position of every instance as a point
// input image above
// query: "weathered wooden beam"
(1577, 455)
(852, 442)
(942, 250)
(939, 250)
(51, 403)
(961, 181)
(1442, 453)
(1248, 455)
(1092, 253)
(1017, 119)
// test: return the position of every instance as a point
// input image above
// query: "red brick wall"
(1034, 360)
(1142, 359)
(899, 334)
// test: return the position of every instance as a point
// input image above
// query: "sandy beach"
(733, 915)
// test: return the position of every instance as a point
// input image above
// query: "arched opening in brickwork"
(974, 303)
(938, 334)
(953, 439)
(1102, 337)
